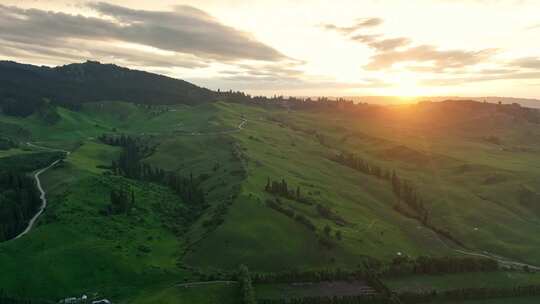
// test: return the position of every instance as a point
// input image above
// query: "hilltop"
(25, 87)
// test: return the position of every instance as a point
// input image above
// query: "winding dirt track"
(42, 197)
(43, 194)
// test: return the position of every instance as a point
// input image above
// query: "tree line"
(122, 201)
(247, 292)
(19, 201)
(290, 102)
(281, 188)
(130, 165)
(403, 189)
(409, 202)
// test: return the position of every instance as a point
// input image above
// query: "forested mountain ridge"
(23, 88)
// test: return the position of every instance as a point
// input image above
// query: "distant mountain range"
(526, 102)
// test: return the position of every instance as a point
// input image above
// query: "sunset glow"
(404, 48)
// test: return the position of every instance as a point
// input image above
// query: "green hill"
(23, 88)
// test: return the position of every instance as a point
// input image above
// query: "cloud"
(375, 41)
(103, 52)
(387, 44)
(185, 30)
(481, 77)
(365, 38)
(526, 62)
(359, 24)
(284, 70)
(438, 59)
(391, 51)
(276, 83)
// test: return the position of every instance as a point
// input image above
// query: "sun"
(407, 90)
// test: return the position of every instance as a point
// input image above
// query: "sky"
(293, 47)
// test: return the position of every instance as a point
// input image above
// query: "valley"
(337, 217)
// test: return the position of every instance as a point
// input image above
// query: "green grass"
(14, 151)
(75, 249)
(218, 293)
(250, 233)
(93, 156)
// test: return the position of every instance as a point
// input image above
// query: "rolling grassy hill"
(475, 167)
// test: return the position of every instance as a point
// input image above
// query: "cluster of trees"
(134, 150)
(329, 214)
(402, 188)
(469, 294)
(439, 265)
(218, 216)
(300, 218)
(121, 202)
(238, 154)
(409, 204)
(353, 161)
(19, 201)
(407, 194)
(246, 286)
(281, 188)
(130, 165)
